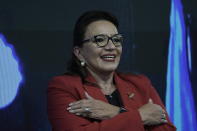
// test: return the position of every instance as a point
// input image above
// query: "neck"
(104, 80)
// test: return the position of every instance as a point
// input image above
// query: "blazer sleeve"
(60, 94)
(156, 99)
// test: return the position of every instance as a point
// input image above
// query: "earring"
(82, 63)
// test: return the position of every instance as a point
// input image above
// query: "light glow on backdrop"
(10, 75)
(179, 98)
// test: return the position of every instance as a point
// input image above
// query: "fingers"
(163, 111)
(163, 117)
(79, 104)
(80, 110)
(152, 113)
(150, 101)
(81, 107)
(73, 107)
(156, 106)
(91, 108)
(75, 103)
(82, 102)
(163, 121)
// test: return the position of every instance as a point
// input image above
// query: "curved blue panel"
(10, 75)
(179, 96)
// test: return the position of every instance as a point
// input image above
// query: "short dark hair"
(87, 18)
(78, 36)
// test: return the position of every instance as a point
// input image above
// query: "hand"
(93, 108)
(152, 114)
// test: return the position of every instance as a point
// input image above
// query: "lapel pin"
(131, 95)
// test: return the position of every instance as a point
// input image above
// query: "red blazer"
(65, 89)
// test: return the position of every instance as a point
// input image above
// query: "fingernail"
(77, 114)
(68, 108)
(70, 104)
(71, 111)
(150, 100)
(165, 121)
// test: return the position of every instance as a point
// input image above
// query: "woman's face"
(100, 59)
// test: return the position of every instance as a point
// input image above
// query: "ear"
(78, 53)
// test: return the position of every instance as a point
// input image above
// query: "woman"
(92, 96)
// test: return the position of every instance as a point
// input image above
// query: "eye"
(117, 39)
(99, 38)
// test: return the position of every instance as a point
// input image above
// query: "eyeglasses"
(102, 40)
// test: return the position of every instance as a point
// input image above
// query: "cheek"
(119, 50)
(91, 53)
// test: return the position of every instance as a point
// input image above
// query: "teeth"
(108, 56)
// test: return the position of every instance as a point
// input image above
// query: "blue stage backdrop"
(10, 73)
(179, 96)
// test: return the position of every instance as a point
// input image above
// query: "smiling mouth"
(108, 58)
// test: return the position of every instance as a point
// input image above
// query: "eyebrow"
(107, 34)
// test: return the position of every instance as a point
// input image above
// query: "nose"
(110, 45)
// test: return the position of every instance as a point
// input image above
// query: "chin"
(108, 69)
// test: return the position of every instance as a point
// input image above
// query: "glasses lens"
(117, 40)
(101, 40)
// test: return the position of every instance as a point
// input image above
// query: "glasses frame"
(92, 39)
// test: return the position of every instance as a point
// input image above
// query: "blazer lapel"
(93, 90)
(127, 92)
(125, 89)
